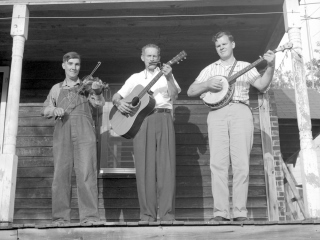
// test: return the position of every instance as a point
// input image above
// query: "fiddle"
(93, 85)
(90, 84)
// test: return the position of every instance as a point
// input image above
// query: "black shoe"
(219, 219)
(240, 219)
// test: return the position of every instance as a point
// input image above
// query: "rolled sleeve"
(204, 74)
(51, 102)
(253, 75)
(177, 85)
(128, 86)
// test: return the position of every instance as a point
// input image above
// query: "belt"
(237, 101)
(161, 110)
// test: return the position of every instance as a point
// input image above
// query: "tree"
(285, 79)
(313, 71)
(282, 80)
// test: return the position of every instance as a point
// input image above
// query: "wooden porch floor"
(306, 229)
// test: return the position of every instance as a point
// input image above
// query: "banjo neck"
(233, 78)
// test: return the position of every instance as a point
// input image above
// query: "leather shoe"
(240, 219)
(219, 219)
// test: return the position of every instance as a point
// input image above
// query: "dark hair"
(151, 45)
(70, 55)
(221, 34)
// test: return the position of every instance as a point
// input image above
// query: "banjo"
(222, 98)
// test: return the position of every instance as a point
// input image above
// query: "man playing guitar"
(154, 144)
(230, 128)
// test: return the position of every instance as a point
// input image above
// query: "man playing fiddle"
(154, 144)
(74, 142)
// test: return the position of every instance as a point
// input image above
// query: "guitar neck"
(176, 59)
(147, 88)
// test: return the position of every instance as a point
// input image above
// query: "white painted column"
(8, 157)
(308, 156)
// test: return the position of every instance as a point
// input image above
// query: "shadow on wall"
(193, 179)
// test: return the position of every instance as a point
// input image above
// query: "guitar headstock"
(182, 55)
(283, 47)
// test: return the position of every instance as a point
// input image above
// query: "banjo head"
(214, 98)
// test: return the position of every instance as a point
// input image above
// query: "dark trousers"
(155, 162)
(74, 145)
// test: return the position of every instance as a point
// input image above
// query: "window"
(114, 152)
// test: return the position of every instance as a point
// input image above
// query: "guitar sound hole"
(135, 101)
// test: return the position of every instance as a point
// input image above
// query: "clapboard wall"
(117, 193)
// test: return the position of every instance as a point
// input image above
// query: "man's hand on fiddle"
(214, 84)
(270, 57)
(58, 112)
(97, 87)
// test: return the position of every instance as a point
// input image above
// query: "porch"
(117, 193)
(179, 230)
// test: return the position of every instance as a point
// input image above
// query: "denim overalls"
(74, 145)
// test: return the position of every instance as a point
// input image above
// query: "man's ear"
(233, 45)
(63, 65)
(142, 58)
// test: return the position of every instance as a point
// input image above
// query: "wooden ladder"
(292, 183)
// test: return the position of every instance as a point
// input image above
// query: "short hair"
(221, 34)
(151, 45)
(70, 55)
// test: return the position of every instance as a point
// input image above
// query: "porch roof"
(286, 103)
(113, 31)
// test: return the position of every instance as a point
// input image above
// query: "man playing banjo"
(230, 128)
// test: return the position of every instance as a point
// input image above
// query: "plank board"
(122, 214)
(247, 232)
(189, 181)
(131, 192)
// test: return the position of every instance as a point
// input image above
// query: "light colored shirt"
(159, 89)
(243, 82)
(51, 102)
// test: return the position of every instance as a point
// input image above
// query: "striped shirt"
(243, 82)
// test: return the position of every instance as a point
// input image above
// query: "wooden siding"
(117, 193)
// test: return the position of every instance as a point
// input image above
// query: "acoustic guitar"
(127, 125)
(224, 96)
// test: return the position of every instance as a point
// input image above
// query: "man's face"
(72, 68)
(150, 55)
(224, 47)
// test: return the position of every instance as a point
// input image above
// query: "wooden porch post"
(8, 157)
(308, 156)
(268, 159)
